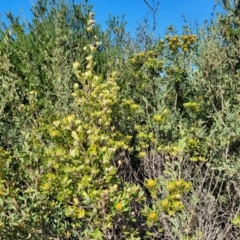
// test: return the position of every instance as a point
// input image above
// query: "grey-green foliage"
(216, 80)
(216, 84)
(36, 63)
(211, 80)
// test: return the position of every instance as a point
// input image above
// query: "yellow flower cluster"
(152, 186)
(188, 40)
(118, 206)
(151, 183)
(198, 159)
(185, 42)
(187, 146)
(172, 203)
(194, 148)
(193, 106)
(152, 216)
(144, 139)
(193, 143)
(80, 158)
(178, 186)
(161, 118)
(173, 42)
(132, 106)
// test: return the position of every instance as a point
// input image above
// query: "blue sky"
(170, 11)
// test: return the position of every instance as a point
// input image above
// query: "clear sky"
(170, 11)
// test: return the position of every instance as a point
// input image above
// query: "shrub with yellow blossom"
(79, 171)
(172, 203)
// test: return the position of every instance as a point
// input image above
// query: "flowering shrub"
(118, 138)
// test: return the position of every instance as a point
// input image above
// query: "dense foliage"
(105, 136)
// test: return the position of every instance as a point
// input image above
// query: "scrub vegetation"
(108, 136)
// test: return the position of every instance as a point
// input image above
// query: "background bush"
(106, 136)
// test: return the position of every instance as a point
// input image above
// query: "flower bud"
(76, 65)
(75, 86)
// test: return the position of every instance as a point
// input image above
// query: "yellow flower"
(157, 118)
(54, 133)
(33, 93)
(152, 216)
(177, 205)
(170, 187)
(164, 203)
(80, 213)
(141, 54)
(151, 183)
(187, 186)
(165, 111)
(70, 117)
(45, 187)
(194, 159)
(142, 154)
(192, 106)
(76, 65)
(119, 207)
(75, 86)
(171, 212)
(202, 159)
(134, 106)
(149, 59)
(179, 183)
